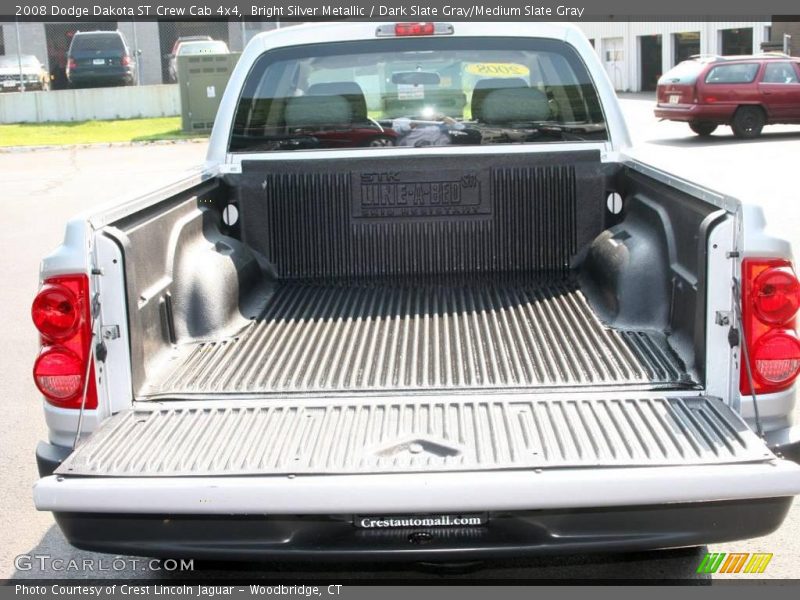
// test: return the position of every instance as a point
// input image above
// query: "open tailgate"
(425, 453)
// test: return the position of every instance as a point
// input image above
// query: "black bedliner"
(417, 272)
(413, 216)
(448, 333)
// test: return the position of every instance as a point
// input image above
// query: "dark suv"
(100, 58)
(745, 92)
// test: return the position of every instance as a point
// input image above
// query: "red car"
(745, 92)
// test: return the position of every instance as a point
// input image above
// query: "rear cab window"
(736, 73)
(417, 92)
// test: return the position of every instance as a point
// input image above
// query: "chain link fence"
(36, 55)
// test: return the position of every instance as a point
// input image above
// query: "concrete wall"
(90, 104)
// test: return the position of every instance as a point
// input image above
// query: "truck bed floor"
(388, 336)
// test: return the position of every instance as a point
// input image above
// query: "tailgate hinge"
(723, 318)
(109, 332)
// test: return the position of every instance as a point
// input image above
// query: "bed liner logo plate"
(392, 194)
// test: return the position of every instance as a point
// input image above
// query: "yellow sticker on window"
(497, 69)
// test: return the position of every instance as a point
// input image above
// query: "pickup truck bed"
(328, 284)
(413, 336)
(495, 313)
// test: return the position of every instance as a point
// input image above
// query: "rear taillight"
(776, 357)
(770, 301)
(58, 374)
(55, 312)
(61, 312)
(401, 29)
(126, 61)
(776, 295)
(71, 64)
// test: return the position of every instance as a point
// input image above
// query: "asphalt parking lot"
(42, 189)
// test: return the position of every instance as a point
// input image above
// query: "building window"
(737, 41)
(591, 41)
(685, 45)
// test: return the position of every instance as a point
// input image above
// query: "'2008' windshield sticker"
(497, 69)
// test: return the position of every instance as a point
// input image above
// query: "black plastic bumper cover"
(789, 450)
(286, 538)
(49, 457)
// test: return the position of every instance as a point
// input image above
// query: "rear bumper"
(587, 510)
(785, 443)
(106, 75)
(507, 534)
(49, 457)
(720, 114)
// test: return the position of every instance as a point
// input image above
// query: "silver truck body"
(601, 440)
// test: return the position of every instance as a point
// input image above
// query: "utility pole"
(19, 59)
(136, 54)
(787, 43)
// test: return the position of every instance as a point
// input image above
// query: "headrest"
(350, 90)
(515, 105)
(500, 83)
(484, 86)
(318, 111)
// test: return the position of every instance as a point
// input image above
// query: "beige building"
(636, 53)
